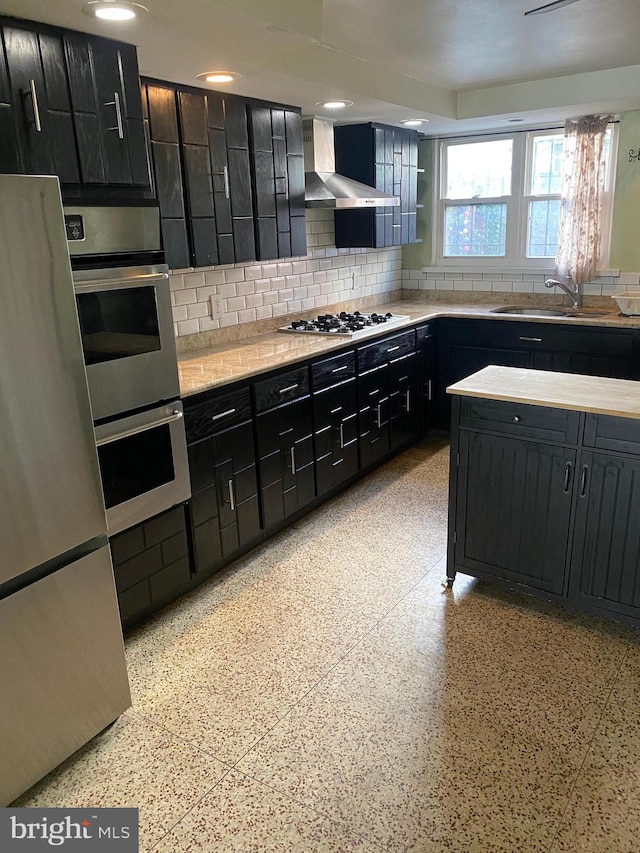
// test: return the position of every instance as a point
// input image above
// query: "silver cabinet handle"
(408, 399)
(567, 478)
(535, 340)
(338, 369)
(341, 436)
(379, 416)
(429, 384)
(127, 433)
(288, 388)
(116, 103)
(583, 480)
(293, 460)
(222, 414)
(232, 497)
(34, 102)
(393, 349)
(516, 419)
(225, 175)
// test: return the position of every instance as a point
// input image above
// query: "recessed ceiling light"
(218, 76)
(114, 10)
(514, 120)
(334, 105)
(414, 122)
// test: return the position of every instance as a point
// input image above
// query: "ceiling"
(462, 64)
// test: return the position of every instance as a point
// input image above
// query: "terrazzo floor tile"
(242, 816)
(134, 763)
(603, 814)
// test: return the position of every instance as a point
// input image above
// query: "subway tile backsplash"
(508, 282)
(213, 298)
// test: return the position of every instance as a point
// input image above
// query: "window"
(499, 201)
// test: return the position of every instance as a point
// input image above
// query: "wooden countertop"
(201, 370)
(617, 397)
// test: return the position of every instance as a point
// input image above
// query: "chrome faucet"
(573, 292)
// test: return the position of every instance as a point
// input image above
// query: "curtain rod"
(501, 132)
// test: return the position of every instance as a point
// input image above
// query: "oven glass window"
(135, 465)
(118, 323)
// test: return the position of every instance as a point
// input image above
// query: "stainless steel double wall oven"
(124, 306)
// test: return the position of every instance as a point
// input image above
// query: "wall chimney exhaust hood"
(323, 187)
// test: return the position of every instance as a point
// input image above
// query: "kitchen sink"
(578, 313)
(530, 312)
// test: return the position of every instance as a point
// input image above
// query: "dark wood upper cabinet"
(241, 176)
(105, 96)
(385, 158)
(70, 106)
(278, 170)
(42, 110)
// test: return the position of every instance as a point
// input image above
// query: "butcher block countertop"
(215, 366)
(603, 396)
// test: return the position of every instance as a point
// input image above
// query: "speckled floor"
(326, 695)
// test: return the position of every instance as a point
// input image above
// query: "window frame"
(517, 204)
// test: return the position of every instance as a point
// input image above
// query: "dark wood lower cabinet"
(557, 519)
(335, 435)
(152, 565)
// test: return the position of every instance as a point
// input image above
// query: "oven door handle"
(176, 415)
(108, 283)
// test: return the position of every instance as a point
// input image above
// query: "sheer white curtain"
(582, 195)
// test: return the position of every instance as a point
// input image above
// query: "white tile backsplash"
(255, 291)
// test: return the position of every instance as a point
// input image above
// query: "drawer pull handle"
(408, 400)
(222, 415)
(232, 497)
(225, 175)
(379, 416)
(516, 419)
(429, 386)
(293, 460)
(535, 340)
(393, 349)
(338, 369)
(288, 388)
(341, 436)
(567, 478)
(583, 480)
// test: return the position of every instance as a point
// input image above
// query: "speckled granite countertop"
(215, 366)
(617, 397)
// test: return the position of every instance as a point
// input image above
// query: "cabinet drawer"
(216, 413)
(281, 388)
(333, 370)
(427, 330)
(519, 419)
(371, 355)
(606, 432)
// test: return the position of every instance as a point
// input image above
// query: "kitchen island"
(545, 487)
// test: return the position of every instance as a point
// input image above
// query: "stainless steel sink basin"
(530, 312)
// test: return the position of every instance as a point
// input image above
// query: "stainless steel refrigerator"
(63, 676)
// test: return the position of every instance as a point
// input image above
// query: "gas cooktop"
(353, 325)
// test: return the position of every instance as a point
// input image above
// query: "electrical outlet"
(217, 309)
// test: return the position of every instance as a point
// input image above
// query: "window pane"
(546, 166)
(475, 230)
(479, 169)
(542, 232)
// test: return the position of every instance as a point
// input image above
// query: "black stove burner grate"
(344, 323)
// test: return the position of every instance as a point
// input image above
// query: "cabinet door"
(224, 507)
(40, 92)
(426, 378)
(605, 564)
(285, 450)
(373, 415)
(513, 509)
(403, 401)
(335, 435)
(107, 107)
(9, 158)
(278, 177)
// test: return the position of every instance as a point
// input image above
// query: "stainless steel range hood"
(323, 187)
